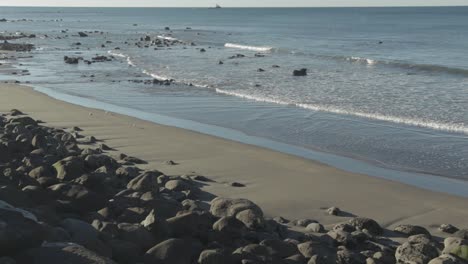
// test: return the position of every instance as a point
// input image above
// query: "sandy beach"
(283, 185)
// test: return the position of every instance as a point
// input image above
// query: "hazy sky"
(230, 3)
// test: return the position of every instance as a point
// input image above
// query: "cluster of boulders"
(16, 36)
(97, 58)
(21, 47)
(157, 42)
(63, 199)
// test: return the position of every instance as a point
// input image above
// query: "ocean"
(387, 87)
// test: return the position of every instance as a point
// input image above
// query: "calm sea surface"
(388, 86)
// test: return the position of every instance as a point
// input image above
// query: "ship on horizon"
(216, 7)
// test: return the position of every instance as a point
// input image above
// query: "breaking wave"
(244, 47)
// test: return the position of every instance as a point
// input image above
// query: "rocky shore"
(64, 198)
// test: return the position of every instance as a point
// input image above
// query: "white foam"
(244, 47)
(116, 54)
(456, 128)
(156, 76)
(167, 38)
(362, 60)
(121, 55)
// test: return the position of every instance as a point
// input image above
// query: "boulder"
(419, 249)
(178, 185)
(215, 256)
(446, 259)
(455, 245)
(411, 230)
(173, 251)
(280, 248)
(23, 120)
(18, 230)
(312, 248)
(301, 72)
(86, 235)
(156, 226)
(147, 181)
(231, 207)
(68, 253)
(42, 171)
(78, 197)
(315, 227)
(251, 218)
(136, 234)
(192, 224)
(99, 160)
(362, 223)
(124, 252)
(69, 168)
(448, 228)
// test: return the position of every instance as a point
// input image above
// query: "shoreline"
(284, 185)
(432, 182)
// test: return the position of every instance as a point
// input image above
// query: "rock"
(68, 253)
(202, 50)
(99, 160)
(194, 224)
(334, 211)
(251, 218)
(148, 181)
(215, 256)
(82, 34)
(446, 259)
(313, 248)
(16, 112)
(78, 197)
(126, 173)
(315, 227)
(14, 196)
(69, 168)
(86, 235)
(18, 232)
(178, 185)
(24, 121)
(452, 243)
(173, 251)
(462, 233)
(36, 194)
(136, 234)
(448, 228)
(303, 222)
(42, 171)
(411, 230)
(280, 248)
(301, 72)
(342, 238)
(368, 224)
(71, 60)
(230, 226)
(156, 226)
(124, 252)
(39, 141)
(237, 184)
(419, 249)
(349, 257)
(231, 207)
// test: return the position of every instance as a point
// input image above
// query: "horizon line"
(231, 7)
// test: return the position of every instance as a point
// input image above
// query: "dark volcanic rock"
(301, 72)
(18, 232)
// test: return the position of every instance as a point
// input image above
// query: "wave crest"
(245, 47)
(456, 128)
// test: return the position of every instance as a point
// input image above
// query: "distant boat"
(216, 7)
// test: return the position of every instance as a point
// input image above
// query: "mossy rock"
(461, 251)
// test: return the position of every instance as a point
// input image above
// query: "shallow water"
(386, 85)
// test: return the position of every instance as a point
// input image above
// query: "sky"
(233, 3)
